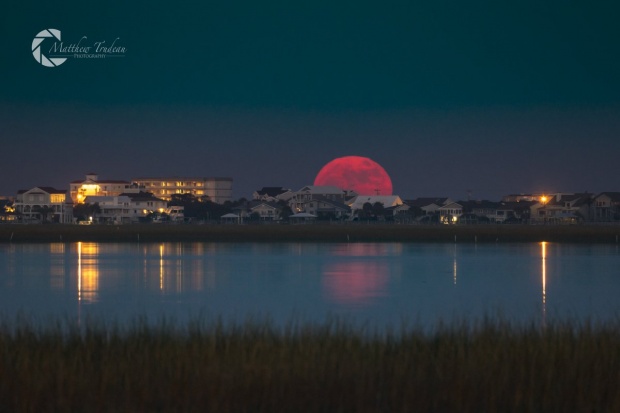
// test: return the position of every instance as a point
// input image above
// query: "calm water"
(378, 283)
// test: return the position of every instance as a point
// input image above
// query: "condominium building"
(217, 190)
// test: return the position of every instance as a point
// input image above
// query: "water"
(376, 283)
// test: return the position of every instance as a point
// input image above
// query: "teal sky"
(448, 96)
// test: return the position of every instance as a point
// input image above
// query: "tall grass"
(328, 367)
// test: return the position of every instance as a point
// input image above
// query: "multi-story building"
(44, 204)
(92, 186)
(310, 192)
(606, 206)
(562, 208)
(217, 190)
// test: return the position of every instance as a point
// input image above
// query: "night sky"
(448, 96)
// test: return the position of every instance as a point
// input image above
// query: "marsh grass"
(334, 366)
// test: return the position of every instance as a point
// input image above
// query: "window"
(57, 198)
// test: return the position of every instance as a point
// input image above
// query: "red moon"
(362, 175)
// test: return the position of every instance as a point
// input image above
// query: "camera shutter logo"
(36, 48)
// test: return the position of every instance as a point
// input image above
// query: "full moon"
(362, 175)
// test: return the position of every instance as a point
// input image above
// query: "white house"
(310, 192)
(267, 211)
(562, 208)
(429, 206)
(323, 208)
(450, 213)
(44, 204)
(126, 208)
(606, 206)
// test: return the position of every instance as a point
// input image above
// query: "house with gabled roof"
(562, 208)
(606, 207)
(518, 211)
(450, 213)
(267, 211)
(126, 207)
(428, 205)
(481, 208)
(324, 208)
(310, 192)
(44, 204)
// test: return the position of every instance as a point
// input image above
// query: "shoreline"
(47, 233)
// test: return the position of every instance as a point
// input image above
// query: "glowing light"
(87, 190)
(57, 198)
(543, 199)
(362, 175)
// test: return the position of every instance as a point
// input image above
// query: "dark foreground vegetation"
(351, 232)
(491, 366)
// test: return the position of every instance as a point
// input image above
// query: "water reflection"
(161, 267)
(88, 271)
(373, 281)
(57, 266)
(454, 266)
(361, 273)
(543, 253)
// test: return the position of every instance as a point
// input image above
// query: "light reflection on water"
(378, 282)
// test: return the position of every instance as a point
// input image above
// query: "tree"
(43, 211)
(378, 210)
(254, 216)
(365, 211)
(83, 212)
(182, 199)
(284, 210)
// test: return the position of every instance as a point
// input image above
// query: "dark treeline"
(312, 232)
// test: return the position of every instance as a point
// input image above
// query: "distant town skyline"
(450, 98)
